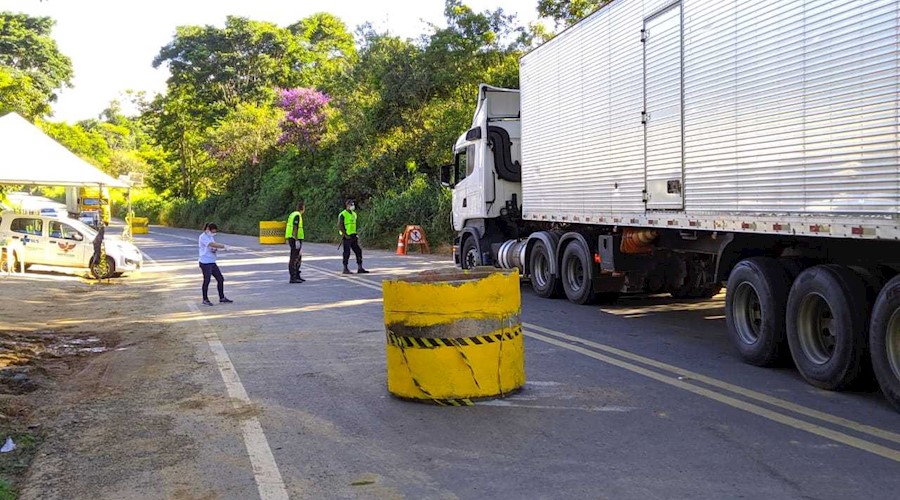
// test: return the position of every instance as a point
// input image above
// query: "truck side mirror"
(446, 181)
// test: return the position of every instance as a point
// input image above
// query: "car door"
(30, 232)
(65, 246)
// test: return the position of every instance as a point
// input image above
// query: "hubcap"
(541, 270)
(471, 258)
(575, 274)
(747, 313)
(892, 341)
(815, 326)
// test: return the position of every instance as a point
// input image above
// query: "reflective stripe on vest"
(288, 231)
(349, 222)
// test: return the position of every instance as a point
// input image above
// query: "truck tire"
(826, 326)
(470, 257)
(755, 302)
(544, 283)
(575, 274)
(884, 341)
(98, 272)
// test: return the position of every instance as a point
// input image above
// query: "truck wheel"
(884, 341)
(755, 300)
(542, 280)
(98, 272)
(826, 326)
(576, 274)
(470, 257)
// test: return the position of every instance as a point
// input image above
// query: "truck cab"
(486, 173)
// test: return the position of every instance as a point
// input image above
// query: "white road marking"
(265, 471)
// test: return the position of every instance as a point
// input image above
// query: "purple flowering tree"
(304, 121)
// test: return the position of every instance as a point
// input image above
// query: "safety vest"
(349, 222)
(290, 226)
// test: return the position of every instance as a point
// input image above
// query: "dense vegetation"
(257, 116)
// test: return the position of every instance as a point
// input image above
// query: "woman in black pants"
(208, 249)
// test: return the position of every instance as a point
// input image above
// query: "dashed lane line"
(268, 478)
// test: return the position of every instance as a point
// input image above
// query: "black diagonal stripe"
(474, 340)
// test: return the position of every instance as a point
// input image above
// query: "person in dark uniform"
(293, 233)
(347, 226)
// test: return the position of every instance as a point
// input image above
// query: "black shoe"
(300, 280)
(296, 280)
(225, 300)
(361, 271)
(207, 303)
(346, 271)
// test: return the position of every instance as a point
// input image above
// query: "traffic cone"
(401, 244)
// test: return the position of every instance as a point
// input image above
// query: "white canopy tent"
(30, 157)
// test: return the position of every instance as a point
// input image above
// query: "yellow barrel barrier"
(454, 336)
(272, 232)
(140, 225)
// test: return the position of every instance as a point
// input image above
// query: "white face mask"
(351, 207)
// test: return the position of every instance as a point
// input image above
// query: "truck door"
(663, 110)
(66, 246)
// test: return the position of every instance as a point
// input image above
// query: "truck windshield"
(91, 202)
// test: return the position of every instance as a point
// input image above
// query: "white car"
(59, 241)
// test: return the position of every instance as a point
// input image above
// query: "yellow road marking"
(748, 393)
(796, 423)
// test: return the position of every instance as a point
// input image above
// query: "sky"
(112, 43)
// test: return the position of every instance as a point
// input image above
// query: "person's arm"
(341, 226)
(296, 226)
(217, 246)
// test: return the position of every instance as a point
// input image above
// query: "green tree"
(568, 12)
(242, 138)
(32, 68)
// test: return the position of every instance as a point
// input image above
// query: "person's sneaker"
(361, 271)
(225, 300)
(207, 303)
(295, 280)
(346, 271)
(301, 280)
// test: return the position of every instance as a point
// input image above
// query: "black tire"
(97, 271)
(755, 301)
(575, 274)
(470, 257)
(884, 341)
(544, 283)
(826, 326)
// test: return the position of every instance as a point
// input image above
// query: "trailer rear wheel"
(884, 341)
(576, 274)
(544, 283)
(755, 301)
(826, 326)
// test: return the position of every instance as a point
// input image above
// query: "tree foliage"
(32, 69)
(568, 12)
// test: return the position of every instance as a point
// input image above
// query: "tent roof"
(28, 156)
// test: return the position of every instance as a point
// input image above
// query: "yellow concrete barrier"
(272, 232)
(140, 225)
(454, 336)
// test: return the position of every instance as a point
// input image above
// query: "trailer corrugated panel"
(788, 108)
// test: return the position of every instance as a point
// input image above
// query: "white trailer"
(676, 146)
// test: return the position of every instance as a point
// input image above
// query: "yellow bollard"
(140, 225)
(454, 336)
(272, 232)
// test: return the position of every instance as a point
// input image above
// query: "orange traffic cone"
(401, 244)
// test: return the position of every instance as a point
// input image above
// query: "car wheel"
(101, 272)
(576, 274)
(884, 341)
(826, 326)
(470, 258)
(544, 283)
(755, 300)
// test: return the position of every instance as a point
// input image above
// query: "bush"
(423, 203)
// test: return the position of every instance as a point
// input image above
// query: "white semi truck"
(679, 146)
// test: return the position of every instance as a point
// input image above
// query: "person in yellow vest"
(347, 227)
(293, 233)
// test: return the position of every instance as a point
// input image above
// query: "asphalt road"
(642, 399)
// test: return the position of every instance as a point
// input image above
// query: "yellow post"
(454, 336)
(271, 232)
